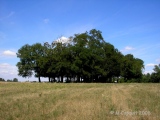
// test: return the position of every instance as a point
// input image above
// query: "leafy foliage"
(152, 77)
(86, 58)
(15, 80)
(2, 80)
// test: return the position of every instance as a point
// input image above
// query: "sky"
(132, 26)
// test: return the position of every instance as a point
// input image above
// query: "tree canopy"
(87, 57)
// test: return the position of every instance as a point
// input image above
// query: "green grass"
(79, 101)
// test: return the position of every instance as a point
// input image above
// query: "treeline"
(152, 77)
(84, 57)
(8, 80)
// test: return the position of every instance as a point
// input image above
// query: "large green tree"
(31, 60)
(25, 65)
(131, 68)
(86, 57)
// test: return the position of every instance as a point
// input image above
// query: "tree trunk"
(62, 78)
(49, 79)
(39, 78)
(54, 80)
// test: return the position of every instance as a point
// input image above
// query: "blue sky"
(132, 26)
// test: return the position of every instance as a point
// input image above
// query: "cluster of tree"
(14, 80)
(1, 79)
(86, 57)
(153, 77)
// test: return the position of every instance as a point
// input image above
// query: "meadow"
(79, 101)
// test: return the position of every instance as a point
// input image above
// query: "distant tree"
(25, 66)
(80, 57)
(137, 70)
(146, 78)
(85, 58)
(31, 58)
(112, 62)
(9, 80)
(61, 62)
(155, 76)
(15, 80)
(37, 56)
(132, 68)
(1, 79)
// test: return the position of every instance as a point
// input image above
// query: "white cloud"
(150, 65)
(9, 53)
(127, 48)
(63, 40)
(46, 20)
(158, 60)
(148, 71)
(7, 69)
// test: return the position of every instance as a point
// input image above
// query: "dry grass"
(44, 101)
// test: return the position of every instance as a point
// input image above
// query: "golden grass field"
(79, 101)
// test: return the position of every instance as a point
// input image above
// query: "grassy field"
(61, 101)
